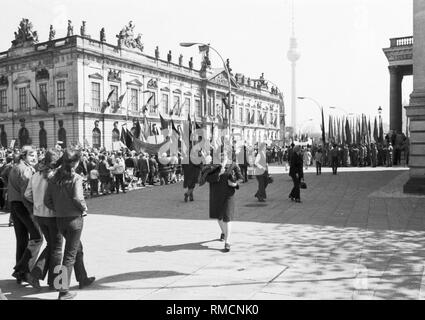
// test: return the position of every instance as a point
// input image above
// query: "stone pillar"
(416, 109)
(396, 115)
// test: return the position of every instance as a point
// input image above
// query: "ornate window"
(96, 138)
(61, 93)
(198, 108)
(134, 99)
(164, 101)
(3, 100)
(42, 90)
(23, 101)
(95, 96)
(176, 104)
(152, 103)
(114, 97)
(240, 114)
(187, 104)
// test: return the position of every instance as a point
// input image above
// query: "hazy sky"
(341, 41)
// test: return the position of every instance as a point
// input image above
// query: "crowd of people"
(45, 192)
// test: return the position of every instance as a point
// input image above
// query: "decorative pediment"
(21, 79)
(96, 75)
(188, 93)
(134, 82)
(152, 84)
(221, 78)
(177, 91)
(4, 81)
(42, 74)
(166, 89)
(114, 75)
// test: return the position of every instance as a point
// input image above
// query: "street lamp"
(190, 44)
(321, 111)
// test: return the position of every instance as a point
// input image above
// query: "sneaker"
(86, 282)
(226, 247)
(185, 197)
(68, 295)
(191, 197)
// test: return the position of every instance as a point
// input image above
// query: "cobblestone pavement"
(355, 236)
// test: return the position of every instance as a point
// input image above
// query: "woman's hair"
(25, 151)
(49, 162)
(65, 173)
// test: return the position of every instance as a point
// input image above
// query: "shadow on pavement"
(174, 247)
(14, 291)
(136, 275)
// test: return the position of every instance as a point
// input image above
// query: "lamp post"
(321, 111)
(190, 44)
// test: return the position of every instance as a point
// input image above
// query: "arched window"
(96, 138)
(42, 135)
(115, 135)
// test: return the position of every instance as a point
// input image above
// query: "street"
(354, 236)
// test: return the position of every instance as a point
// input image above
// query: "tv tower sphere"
(293, 53)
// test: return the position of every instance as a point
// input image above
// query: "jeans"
(295, 192)
(52, 253)
(94, 186)
(73, 257)
(244, 172)
(318, 168)
(28, 237)
(119, 180)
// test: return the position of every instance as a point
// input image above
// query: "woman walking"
(296, 173)
(64, 196)
(36, 189)
(224, 179)
(318, 158)
(261, 172)
(27, 231)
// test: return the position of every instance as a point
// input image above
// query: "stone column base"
(415, 185)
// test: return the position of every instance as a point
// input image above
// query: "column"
(396, 115)
(416, 109)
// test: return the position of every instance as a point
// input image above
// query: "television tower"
(293, 56)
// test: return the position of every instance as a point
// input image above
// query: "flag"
(369, 132)
(146, 128)
(381, 131)
(43, 107)
(149, 148)
(138, 130)
(119, 104)
(330, 129)
(174, 128)
(226, 104)
(347, 132)
(375, 131)
(252, 117)
(275, 121)
(164, 123)
(174, 110)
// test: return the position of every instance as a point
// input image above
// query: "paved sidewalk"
(355, 236)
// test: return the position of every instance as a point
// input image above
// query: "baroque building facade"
(72, 79)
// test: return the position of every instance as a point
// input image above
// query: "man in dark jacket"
(296, 173)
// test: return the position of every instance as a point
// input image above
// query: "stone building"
(72, 78)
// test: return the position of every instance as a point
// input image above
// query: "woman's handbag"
(303, 185)
(269, 179)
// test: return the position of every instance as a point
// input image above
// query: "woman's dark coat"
(222, 202)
